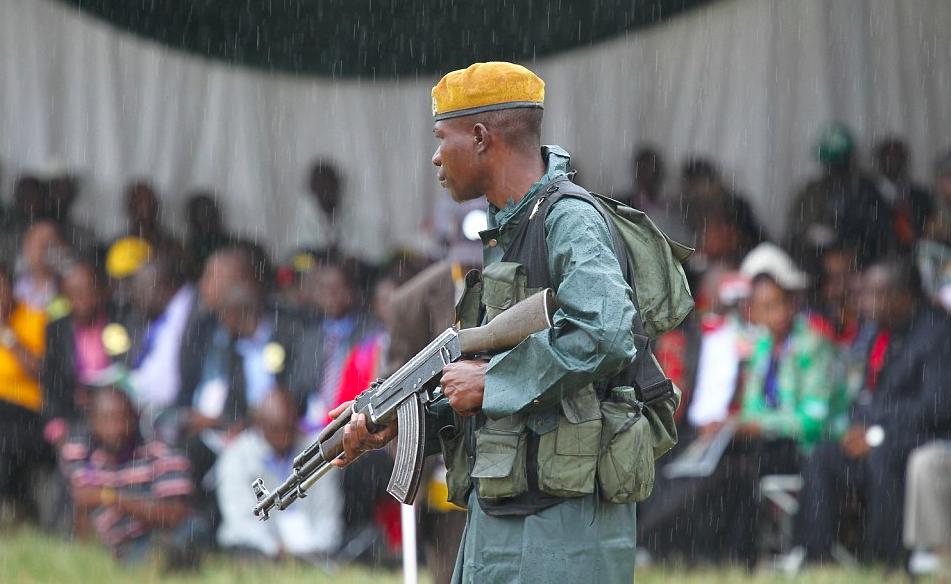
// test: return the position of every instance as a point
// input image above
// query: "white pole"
(408, 529)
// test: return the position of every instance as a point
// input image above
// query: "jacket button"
(536, 402)
(493, 242)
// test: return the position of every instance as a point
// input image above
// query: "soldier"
(522, 444)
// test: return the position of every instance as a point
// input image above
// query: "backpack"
(652, 264)
(655, 264)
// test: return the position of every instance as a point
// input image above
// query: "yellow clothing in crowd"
(16, 385)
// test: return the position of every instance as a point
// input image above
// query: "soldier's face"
(456, 159)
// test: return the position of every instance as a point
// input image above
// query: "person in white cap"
(786, 394)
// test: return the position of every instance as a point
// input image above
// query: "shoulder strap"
(530, 247)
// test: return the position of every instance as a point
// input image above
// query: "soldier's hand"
(334, 413)
(463, 383)
(358, 439)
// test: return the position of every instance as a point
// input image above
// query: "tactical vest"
(523, 463)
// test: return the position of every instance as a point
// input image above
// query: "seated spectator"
(832, 296)
(331, 293)
(724, 224)
(123, 259)
(647, 193)
(725, 346)
(837, 289)
(909, 203)
(789, 378)
(240, 347)
(21, 399)
(928, 504)
(310, 529)
(134, 494)
(324, 185)
(787, 384)
(144, 212)
(77, 354)
(842, 204)
(263, 352)
(206, 232)
(786, 393)
(905, 402)
(207, 343)
(43, 253)
(61, 194)
(367, 359)
(236, 349)
(163, 300)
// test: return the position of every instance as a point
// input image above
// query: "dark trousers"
(202, 460)
(750, 460)
(828, 476)
(21, 447)
(716, 517)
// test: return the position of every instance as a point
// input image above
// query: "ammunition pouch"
(626, 460)
(568, 456)
(499, 469)
(452, 441)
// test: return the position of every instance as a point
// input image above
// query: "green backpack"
(654, 270)
(656, 266)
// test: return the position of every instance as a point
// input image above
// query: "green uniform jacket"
(581, 539)
(591, 338)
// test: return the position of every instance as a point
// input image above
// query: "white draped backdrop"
(749, 82)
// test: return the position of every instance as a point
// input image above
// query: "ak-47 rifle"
(404, 396)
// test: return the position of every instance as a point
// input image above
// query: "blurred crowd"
(148, 379)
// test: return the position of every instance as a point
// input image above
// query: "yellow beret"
(126, 256)
(484, 87)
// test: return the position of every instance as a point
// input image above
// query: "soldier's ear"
(481, 137)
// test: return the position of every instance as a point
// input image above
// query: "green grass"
(29, 557)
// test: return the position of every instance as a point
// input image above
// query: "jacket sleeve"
(926, 410)
(592, 334)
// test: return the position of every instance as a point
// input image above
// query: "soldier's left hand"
(463, 383)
